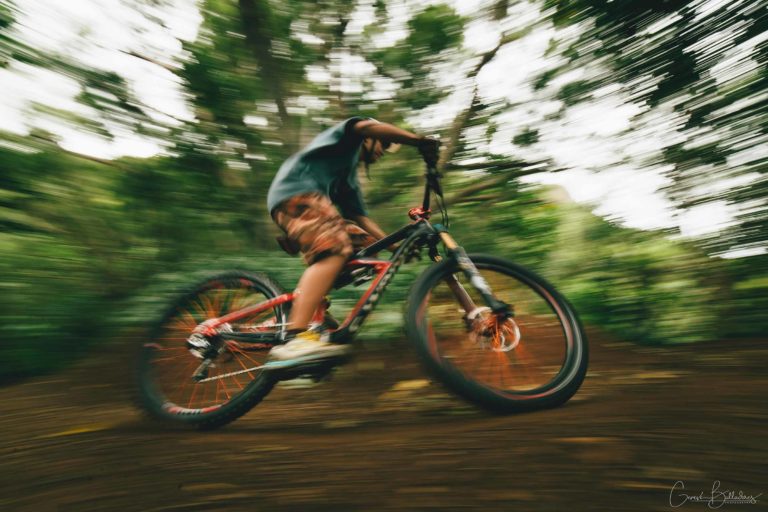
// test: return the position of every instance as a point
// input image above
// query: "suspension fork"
(473, 275)
(467, 304)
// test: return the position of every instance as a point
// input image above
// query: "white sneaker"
(307, 346)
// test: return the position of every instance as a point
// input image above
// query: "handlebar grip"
(430, 151)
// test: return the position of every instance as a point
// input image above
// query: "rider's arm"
(386, 132)
(371, 227)
(428, 147)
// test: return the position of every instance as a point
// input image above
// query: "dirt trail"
(379, 437)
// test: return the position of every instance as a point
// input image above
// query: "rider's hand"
(430, 150)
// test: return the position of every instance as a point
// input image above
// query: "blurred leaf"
(575, 92)
(526, 137)
(435, 29)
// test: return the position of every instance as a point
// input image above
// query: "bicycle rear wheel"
(535, 359)
(234, 384)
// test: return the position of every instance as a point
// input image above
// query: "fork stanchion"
(448, 241)
(467, 304)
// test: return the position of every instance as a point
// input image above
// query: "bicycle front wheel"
(535, 359)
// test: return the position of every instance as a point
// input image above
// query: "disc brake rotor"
(491, 332)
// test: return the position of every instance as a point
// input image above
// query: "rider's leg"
(318, 278)
(313, 285)
(301, 343)
(312, 221)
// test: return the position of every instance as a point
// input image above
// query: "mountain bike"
(490, 330)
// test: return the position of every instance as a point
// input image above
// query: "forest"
(519, 92)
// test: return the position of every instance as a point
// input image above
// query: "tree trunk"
(257, 24)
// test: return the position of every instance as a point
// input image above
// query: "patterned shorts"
(316, 226)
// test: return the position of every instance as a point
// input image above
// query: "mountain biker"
(301, 201)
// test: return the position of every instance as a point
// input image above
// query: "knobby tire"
(168, 335)
(546, 367)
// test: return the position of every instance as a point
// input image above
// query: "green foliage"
(90, 247)
(6, 15)
(433, 30)
(526, 137)
(576, 92)
(640, 286)
(508, 222)
(52, 308)
(543, 79)
(82, 237)
(674, 54)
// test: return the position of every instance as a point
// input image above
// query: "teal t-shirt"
(327, 165)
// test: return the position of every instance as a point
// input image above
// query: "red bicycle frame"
(414, 235)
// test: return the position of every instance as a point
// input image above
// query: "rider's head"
(373, 149)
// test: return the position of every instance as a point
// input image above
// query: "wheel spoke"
(188, 320)
(244, 366)
(492, 353)
(174, 365)
(245, 355)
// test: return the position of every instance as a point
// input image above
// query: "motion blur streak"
(137, 142)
